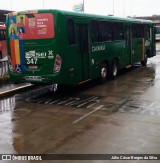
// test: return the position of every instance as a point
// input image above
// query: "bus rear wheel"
(103, 73)
(114, 69)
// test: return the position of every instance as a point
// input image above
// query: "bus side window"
(137, 31)
(105, 31)
(71, 31)
(134, 34)
(146, 31)
(118, 31)
(95, 31)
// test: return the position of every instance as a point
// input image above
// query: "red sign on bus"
(31, 26)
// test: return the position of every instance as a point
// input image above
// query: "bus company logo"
(50, 54)
(34, 54)
(30, 54)
(98, 48)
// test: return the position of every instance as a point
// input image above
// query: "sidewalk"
(7, 89)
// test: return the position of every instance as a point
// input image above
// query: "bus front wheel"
(114, 69)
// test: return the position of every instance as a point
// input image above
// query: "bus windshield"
(31, 26)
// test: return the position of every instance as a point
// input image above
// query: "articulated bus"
(60, 47)
(3, 47)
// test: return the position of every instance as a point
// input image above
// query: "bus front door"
(83, 47)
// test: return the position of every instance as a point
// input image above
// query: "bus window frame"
(108, 25)
(146, 31)
(95, 36)
(121, 26)
(135, 31)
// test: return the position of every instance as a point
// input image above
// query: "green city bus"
(157, 33)
(60, 47)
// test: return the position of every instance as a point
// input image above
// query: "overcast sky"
(105, 7)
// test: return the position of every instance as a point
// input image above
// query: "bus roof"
(86, 15)
(109, 17)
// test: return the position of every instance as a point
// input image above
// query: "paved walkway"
(6, 89)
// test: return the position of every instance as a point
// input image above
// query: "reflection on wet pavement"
(7, 105)
(121, 95)
(6, 135)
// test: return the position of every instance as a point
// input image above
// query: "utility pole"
(83, 5)
(131, 8)
(43, 4)
(113, 7)
(124, 8)
(11, 5)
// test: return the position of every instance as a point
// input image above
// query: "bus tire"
(144, 62)
(114, 69)
(103, 73)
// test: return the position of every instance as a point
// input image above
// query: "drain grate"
(34, 93)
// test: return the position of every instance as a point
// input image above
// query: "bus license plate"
(33, 78)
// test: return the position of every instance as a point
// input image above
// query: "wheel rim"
(103, 73)
(114, 70)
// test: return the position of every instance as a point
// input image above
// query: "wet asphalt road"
(121, 116)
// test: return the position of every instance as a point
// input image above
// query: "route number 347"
(31, 61)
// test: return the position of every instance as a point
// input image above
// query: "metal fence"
(4, 69)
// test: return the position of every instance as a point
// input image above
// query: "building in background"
(154, 18)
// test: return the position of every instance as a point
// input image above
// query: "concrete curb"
(14, 90)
